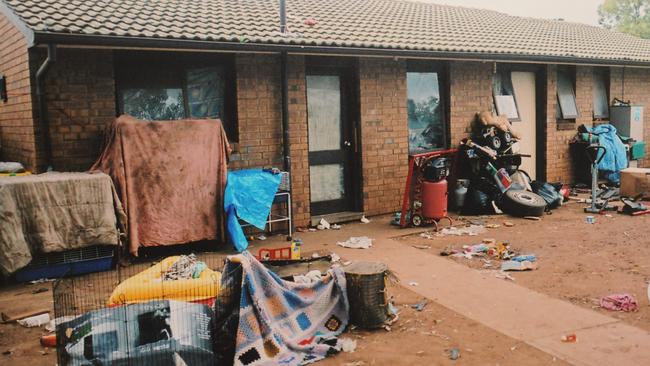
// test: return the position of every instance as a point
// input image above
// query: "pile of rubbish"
(490, 250)
(490, 179)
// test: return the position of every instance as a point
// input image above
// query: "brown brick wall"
(384, 133)
(80, 94)
(258, 112)
(470, 93)
(16, 120)
(634, 85)
(298, 140)
(559, 166)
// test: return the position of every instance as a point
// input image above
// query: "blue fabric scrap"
(248, 196)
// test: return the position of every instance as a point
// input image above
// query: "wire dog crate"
(148, 314)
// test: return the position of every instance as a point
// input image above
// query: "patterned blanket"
(286, 323)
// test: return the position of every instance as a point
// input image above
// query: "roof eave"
(188, 44)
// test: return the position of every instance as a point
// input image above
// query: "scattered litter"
(619, 302)
(51, 326)
(35, 321)
(364, 219)
(472, 230)
(335, 227)
(518, 266)
(492, 226)
(454, 354)
(40, 290)
(261, 237)
(525, 257)
(427, 235)
(7, 352)
(513, 348)
(508, 224)
(312, 229)
(440, 335)
(569, 338)
(323, 225)
(348, 345)
(42, 280)
(447, 252)
(504, 276)
(413, 283)
(392, 309)
(533, 218)
(335, 258)
(310, 278)
(420, 306)
(360, 242)
(590, 220)
(310, 22)
(419, 353)
(48, 340)
(421, 246)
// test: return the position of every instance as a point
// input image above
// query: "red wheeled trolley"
(425, 202)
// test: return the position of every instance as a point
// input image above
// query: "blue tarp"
(249, 195)
(615, 158)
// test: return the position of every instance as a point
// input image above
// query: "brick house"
(358, 84)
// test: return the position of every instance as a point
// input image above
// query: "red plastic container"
(434, 199)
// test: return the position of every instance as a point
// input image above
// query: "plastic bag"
(548, 192)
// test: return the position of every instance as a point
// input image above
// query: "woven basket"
(366, 283)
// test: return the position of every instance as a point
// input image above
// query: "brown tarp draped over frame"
(170, 176)
(54, 212)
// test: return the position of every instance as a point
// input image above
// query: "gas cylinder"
(434, 199)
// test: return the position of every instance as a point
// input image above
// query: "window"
(504, 95)
(425, 107)
(567, 108)
(155, 86)
(600, 90)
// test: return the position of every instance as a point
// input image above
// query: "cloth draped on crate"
(615, 158)
(249, 196)
(286, 323)
(54, 212)
(171, 177)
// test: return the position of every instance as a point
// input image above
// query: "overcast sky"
(580, 11)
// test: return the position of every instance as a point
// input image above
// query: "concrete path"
(516, 311)
(513, 310)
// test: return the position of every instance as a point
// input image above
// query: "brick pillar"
(471, 93)
(384, 133)
(299, 140)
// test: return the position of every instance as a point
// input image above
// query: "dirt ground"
(577, 262)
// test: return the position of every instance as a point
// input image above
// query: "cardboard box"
(635, 181)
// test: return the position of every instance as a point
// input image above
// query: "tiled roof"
(376, 24)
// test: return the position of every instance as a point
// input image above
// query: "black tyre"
(522, 203)
(506, 137)
(494, 142)
(416, 220)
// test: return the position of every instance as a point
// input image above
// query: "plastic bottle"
(296, 245)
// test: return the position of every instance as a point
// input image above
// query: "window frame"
(605, 74)
(571, 76)
(143, 70)
(442, 70)
(499, 75)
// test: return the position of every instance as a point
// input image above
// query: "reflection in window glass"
(205, 92)
(566, 96)
(154, 104)
(601, 101)
(426, 127)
